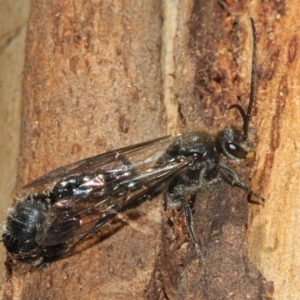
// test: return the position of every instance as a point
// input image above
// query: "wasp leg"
(188, 217)
(232, 178)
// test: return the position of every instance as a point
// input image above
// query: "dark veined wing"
(117, 179)
(72, 218)
(120, 159)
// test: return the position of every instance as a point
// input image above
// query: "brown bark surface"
(93, 82)
(273, 234)
(13, 22)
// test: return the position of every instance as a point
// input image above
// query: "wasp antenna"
(246, 116)
(253, 82)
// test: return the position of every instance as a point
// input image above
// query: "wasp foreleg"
(232, 178)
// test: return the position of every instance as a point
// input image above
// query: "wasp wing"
(119, 159)
(72, 218)
(121, 179)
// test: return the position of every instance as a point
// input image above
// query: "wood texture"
(13, 22)
(93, 82)
(273, 232)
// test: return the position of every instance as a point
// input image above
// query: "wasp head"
(231, 142)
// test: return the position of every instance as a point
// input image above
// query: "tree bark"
(273, 229)
(93, 82)
(13, 22)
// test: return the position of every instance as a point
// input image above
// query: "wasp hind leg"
(188, 217)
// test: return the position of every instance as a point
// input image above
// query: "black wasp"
(63, 206)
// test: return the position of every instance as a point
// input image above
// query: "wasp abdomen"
(22, 225)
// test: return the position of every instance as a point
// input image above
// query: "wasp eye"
(236, 150)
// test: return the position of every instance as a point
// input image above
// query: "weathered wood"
(93, 83)
(273, 230)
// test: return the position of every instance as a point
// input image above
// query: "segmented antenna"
(246, 116)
